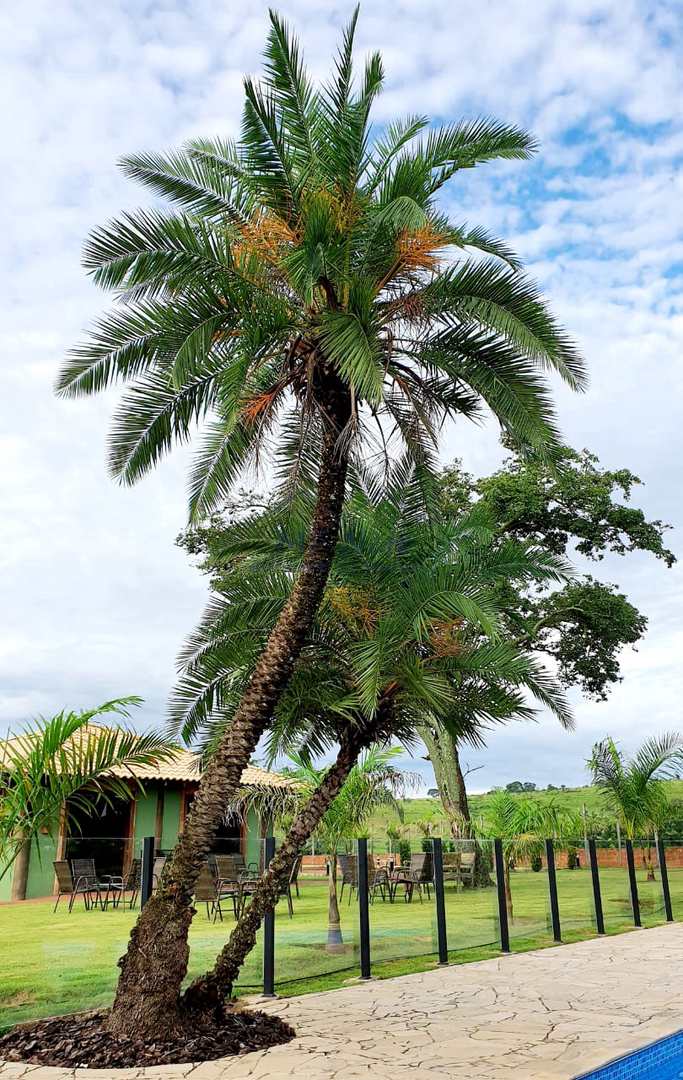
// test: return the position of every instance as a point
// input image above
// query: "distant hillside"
(572, 798)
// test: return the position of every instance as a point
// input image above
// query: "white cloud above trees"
(95, 597)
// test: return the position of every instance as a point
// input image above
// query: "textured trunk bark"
(20, 871)
(463, 804)
(212, 990)
(147, 1002)
(335, 941)
(445, 759)
(443, 754)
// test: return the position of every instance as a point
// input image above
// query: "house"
(113, 835)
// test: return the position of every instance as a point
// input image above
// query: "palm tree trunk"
(147, 1002)
(335, 941)
(20, 869)
(210, 991)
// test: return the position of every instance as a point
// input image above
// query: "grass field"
(55, 963)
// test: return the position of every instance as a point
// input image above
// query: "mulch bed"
(81, 1040)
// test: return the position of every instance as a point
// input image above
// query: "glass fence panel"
(674, 866)
(402, 904)
(316, 924)
(614, 886)
(649, 879)
(527, 893)
(574, 887)
(470, 894)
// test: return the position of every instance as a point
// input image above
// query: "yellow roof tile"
(184, 767)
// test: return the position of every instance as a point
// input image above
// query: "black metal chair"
(418, 875)
(67, 886)
(378, 879)
(85, 876)
(117, 887)
(292, 880)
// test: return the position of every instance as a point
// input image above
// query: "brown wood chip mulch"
(80, 1040)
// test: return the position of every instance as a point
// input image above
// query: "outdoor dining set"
(385, 877)
(227, 879)
(222, 878)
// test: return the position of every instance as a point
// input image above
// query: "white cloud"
(96, 598)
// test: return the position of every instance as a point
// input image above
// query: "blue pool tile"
(661, 1060)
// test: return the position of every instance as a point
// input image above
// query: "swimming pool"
(661, 1060)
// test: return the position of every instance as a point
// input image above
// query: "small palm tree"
(635, 790)
(304, 296)
(523, 825)
(68, 762)
(374, 783)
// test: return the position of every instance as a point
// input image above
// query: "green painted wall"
(6, 885)
(145, 817)
(41, 872)
(253, 852)
(170, 826)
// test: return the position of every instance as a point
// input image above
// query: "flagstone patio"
(552, 1013)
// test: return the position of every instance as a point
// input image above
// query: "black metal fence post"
(441, 932)
(597, 894)
(502, 904)
(364, 909)
(269, 931)
(664, 874)
(147, 870)
(633, 883)
(552, 887)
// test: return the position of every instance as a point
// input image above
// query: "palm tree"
(67, 763)
(304, 296)
(523, 825)
(635, 790)
(373, 783)
(409, 613)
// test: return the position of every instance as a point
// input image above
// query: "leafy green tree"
(583, 624)
(523, 825)
(635, 790)
(69, 763)
(303, 297)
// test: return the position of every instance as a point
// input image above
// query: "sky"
(96, 598)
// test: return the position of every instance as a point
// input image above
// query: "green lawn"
(52, 963)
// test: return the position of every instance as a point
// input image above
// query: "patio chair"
(348, 867)
(458, 867)
(159, 863)
(418, 875)
(466, 868)
(206, 891)
(84, 875)
(286, 890)
(378, 879)
(231, 881)
(119, 886)
(66, 886)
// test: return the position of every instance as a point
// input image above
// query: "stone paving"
(549, 1014)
